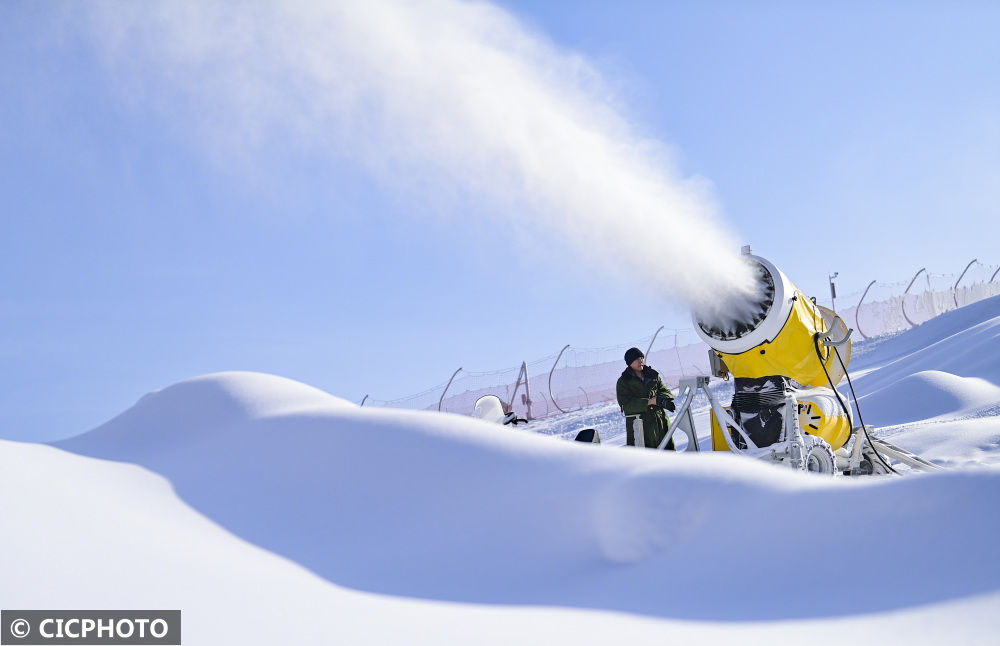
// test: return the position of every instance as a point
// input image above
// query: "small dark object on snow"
(589, 435)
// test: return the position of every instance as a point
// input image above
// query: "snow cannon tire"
(820, 458)
(877, 468)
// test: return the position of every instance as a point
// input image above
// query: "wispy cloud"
(460, 93)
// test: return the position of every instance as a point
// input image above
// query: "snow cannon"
(787, 354)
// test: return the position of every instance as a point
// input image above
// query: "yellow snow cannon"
(786, 353)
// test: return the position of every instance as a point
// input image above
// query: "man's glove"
(666, 401)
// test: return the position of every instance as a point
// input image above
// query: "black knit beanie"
(632, 354)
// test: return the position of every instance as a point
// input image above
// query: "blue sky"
(862, 138)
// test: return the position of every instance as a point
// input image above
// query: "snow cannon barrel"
(774, 333)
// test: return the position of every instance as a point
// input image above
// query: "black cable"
(860, 418)
(829, 380)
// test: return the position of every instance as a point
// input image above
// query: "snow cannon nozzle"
(770, 331)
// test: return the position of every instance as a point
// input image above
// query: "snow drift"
(448, 508)
(270, 499)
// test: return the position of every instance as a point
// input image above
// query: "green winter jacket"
(633, 398)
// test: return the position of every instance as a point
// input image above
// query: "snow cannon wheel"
(865, 468)
(876, 465)
(820, 458)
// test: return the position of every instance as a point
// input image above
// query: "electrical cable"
(829, 380)
(860, 418)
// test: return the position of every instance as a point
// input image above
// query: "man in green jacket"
(642, 392)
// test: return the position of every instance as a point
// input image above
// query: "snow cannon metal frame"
(787, 360)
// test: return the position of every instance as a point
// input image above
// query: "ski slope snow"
(271, 512)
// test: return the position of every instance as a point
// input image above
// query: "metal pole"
(678, 353)
(517, 385)
(858, 309)
(584, 395)
(995, 274)
(553, 397)
(833, 291)
(545, 402)
(954, 290)
(527, 390)
(902, 304)
(653, 339)
(447, 387)
(363, 400)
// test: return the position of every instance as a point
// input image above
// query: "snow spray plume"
(458, 91)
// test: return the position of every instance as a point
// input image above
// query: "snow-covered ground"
(271, 512)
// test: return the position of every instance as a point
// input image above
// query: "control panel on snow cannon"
(778, 342)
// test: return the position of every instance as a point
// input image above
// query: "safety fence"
(573, 378)
(888, 308)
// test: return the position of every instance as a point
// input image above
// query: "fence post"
(364, 400)
(653, 339)
(902, 303)
(517, 385)
(551, 396)
(954, 290)
(677, 351)
(447, 387)
(857, 321)
(545, 402)
(527, 390)
(995, 274)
